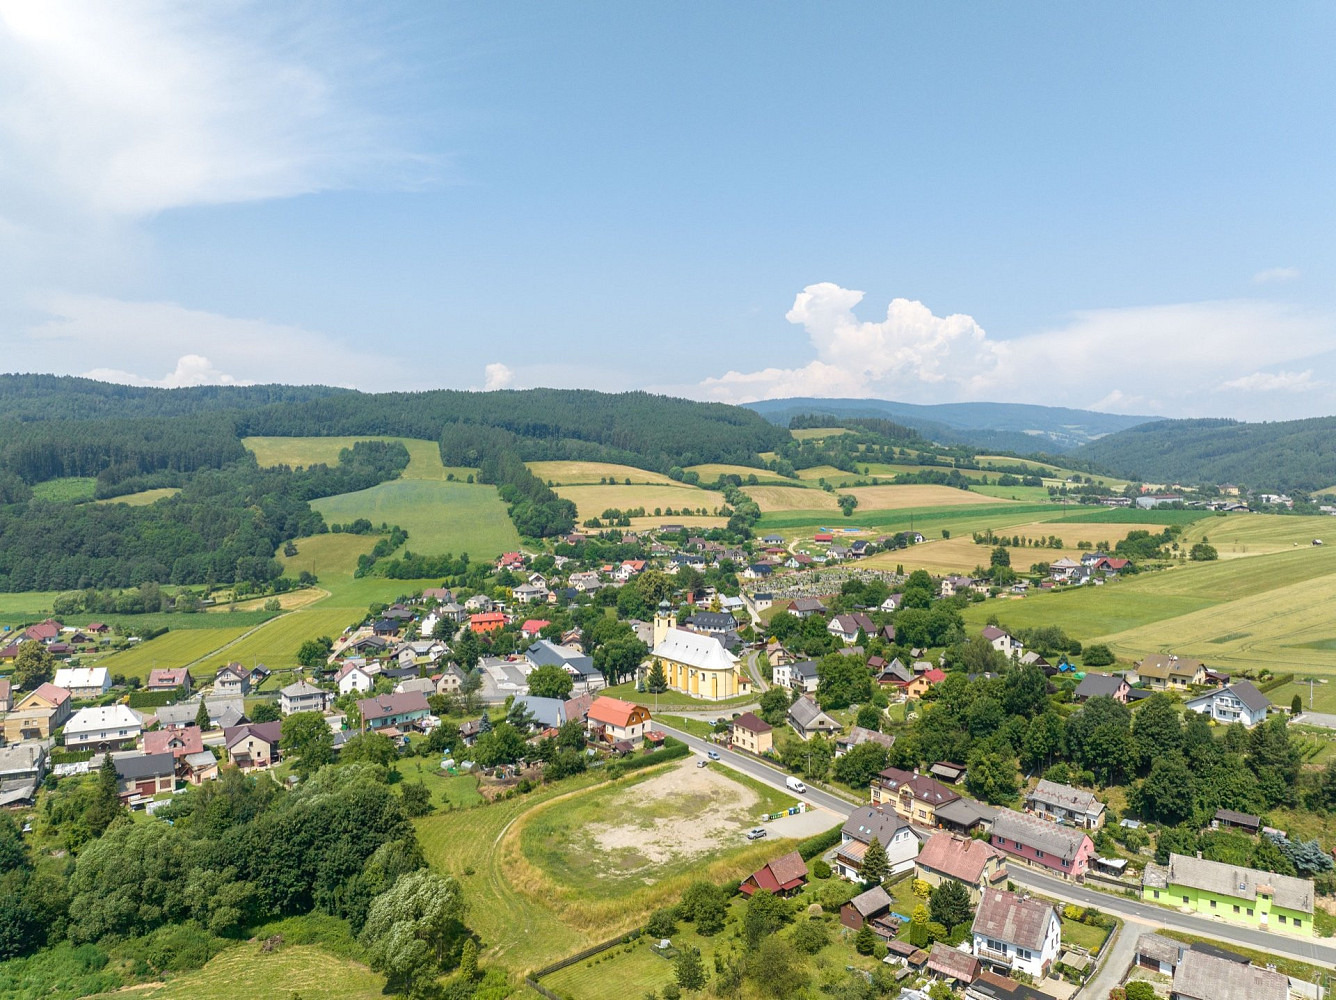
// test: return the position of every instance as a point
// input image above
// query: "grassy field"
(424, 456)
(28, 606)
(328, 553)
(592, 501)
(447, 791)
(244, 972)
(1259, 534)
(773, 499)
(961, 554)
(826, 472)
(709, 473)
(69, 488)
(439, 517)
(902, 497)
(276, 643)
(144, 497)
(572, 473)
(1025, 494)
(672, 699)
(817, 433)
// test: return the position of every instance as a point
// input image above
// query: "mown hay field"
(424, 456)
(711, 472)
(786, 498)
(826, 472)
(903, 497)
(175, 649)
(144, 497)
(592, 501)
(439, 517)
(275, 643)
(244, 972)
(817, 433)
(572, 473)
(1258, 534)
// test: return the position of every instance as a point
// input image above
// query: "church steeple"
(664, 619)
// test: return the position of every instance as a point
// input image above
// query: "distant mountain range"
(1018, 427)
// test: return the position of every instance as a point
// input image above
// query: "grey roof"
(1094, 684)
(1007, 917)
(1051, 838)
(545, 653)
(1250, 696)
(1239, 882)
(1204, 977)
(547, 712)
(145, 765)
(1160, 948)
(22, 757)
(872, 902)
(806, 714)
(183, 713)
(858, 735)
(1073, 799)
(713, 620)
(867, 822)
(201, 759)
(966, 812)
(804, 669)
(301, 689)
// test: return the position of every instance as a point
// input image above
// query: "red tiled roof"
(752, 723)
(934, 676)
(958, 857)
(612, 711)
(189, 738)
(780, 875)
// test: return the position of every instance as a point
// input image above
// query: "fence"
(531, 980)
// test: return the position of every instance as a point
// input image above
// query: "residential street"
(1140, 917)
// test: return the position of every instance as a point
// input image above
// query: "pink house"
(1061, 849)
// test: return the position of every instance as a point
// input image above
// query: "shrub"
(820, 869)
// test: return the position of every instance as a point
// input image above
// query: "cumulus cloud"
(1273, 381)
(497, 376)
(1168, 359)
(1276, 275)
(131, 342)
(127, 109)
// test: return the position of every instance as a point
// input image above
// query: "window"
(1236, 909)
(1156, 893)
(1186, 900)
(1038, 854)
(1213, 904)
(1282, 918)
(1298, 922)
(1250, 912)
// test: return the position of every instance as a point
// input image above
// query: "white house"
(303, 696)
(796, 675)
(1003, 641)
(354, 677)
(107, 727)
(847, 627)
(83, 682)
(1015, 933)
(892, 832)
(1237, 702)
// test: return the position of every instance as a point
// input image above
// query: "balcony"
(995, 957)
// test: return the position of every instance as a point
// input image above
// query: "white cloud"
(1273, 381)
(121, 341)
(1276, 275)
(497, 376)
(129, 108)
(1167, 359)
(191, 369)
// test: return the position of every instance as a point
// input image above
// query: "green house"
(1233, 893)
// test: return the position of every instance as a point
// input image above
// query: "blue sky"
(1126, 208)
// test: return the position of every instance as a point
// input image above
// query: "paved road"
(754, 668)
(1140, 917)
(1157, 917)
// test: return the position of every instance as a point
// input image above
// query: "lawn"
(675, 699)
(440, 517)
(573, 473)
(67, 489)
(447, 791)
(1083, 935)
(176, 649)
(696, 727)
(244, 972)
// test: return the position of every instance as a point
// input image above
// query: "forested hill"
(1018, 427)
(1285, 455)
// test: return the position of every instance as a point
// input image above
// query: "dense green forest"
(1285, 455)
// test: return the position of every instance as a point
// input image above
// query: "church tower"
(664, 620)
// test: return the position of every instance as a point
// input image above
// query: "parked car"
(756, 833)
(702, 762)
(713, 755)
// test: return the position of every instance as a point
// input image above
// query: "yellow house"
(696, 664)
(41, 712)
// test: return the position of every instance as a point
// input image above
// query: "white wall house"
(104, 728)
(1015, 933)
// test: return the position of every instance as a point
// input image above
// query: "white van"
(796, 786)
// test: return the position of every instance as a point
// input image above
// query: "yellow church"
(696, 664)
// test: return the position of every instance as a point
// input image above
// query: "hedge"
(1280, 680)
(820, 844)
(671, 750)
(60, 756)
(156, 699)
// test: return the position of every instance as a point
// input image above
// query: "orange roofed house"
(783, 876)
(613, 720)
(489, 621)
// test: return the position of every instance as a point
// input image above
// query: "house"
(179, 743)
(1059, 803)
(580, 666)
(914, 797)
(1095, 684)
(991, 986)
(894, 672)
(530, 593)
(232, 681)
(478, 603)
(393, 710)
(533, 626)
(1203, 976)
(385, 628)
(806, 718)
(717, 623)
(1158, 954)
(303, 696)
(83, 682)
(450, 680)
(1231, 820)
(222, 712)
(367, 645)
(1161, 673)
(1003, 641)
(857, 736)
(953, 585)
(751, 733)
(547, 713)
(6, 695)
(1060, 849)
(801, 676)
(1011, 932)
(806, 607)
(823, 538)
(696, 664)
(38, 714)
(452, 611)
(169, 679)
(488, 621)
(783, 876)
(105, 727)
(948, 772)
(890, 830)
(973, 863)
(1233, 893)
(141, 776)
(846, 627)
(253, 746)
(22, 762)
(951, 965)
(1237, 702)
(613, 720)
(354, 677)
(871, 907)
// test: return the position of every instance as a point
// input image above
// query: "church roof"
(695, 650)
